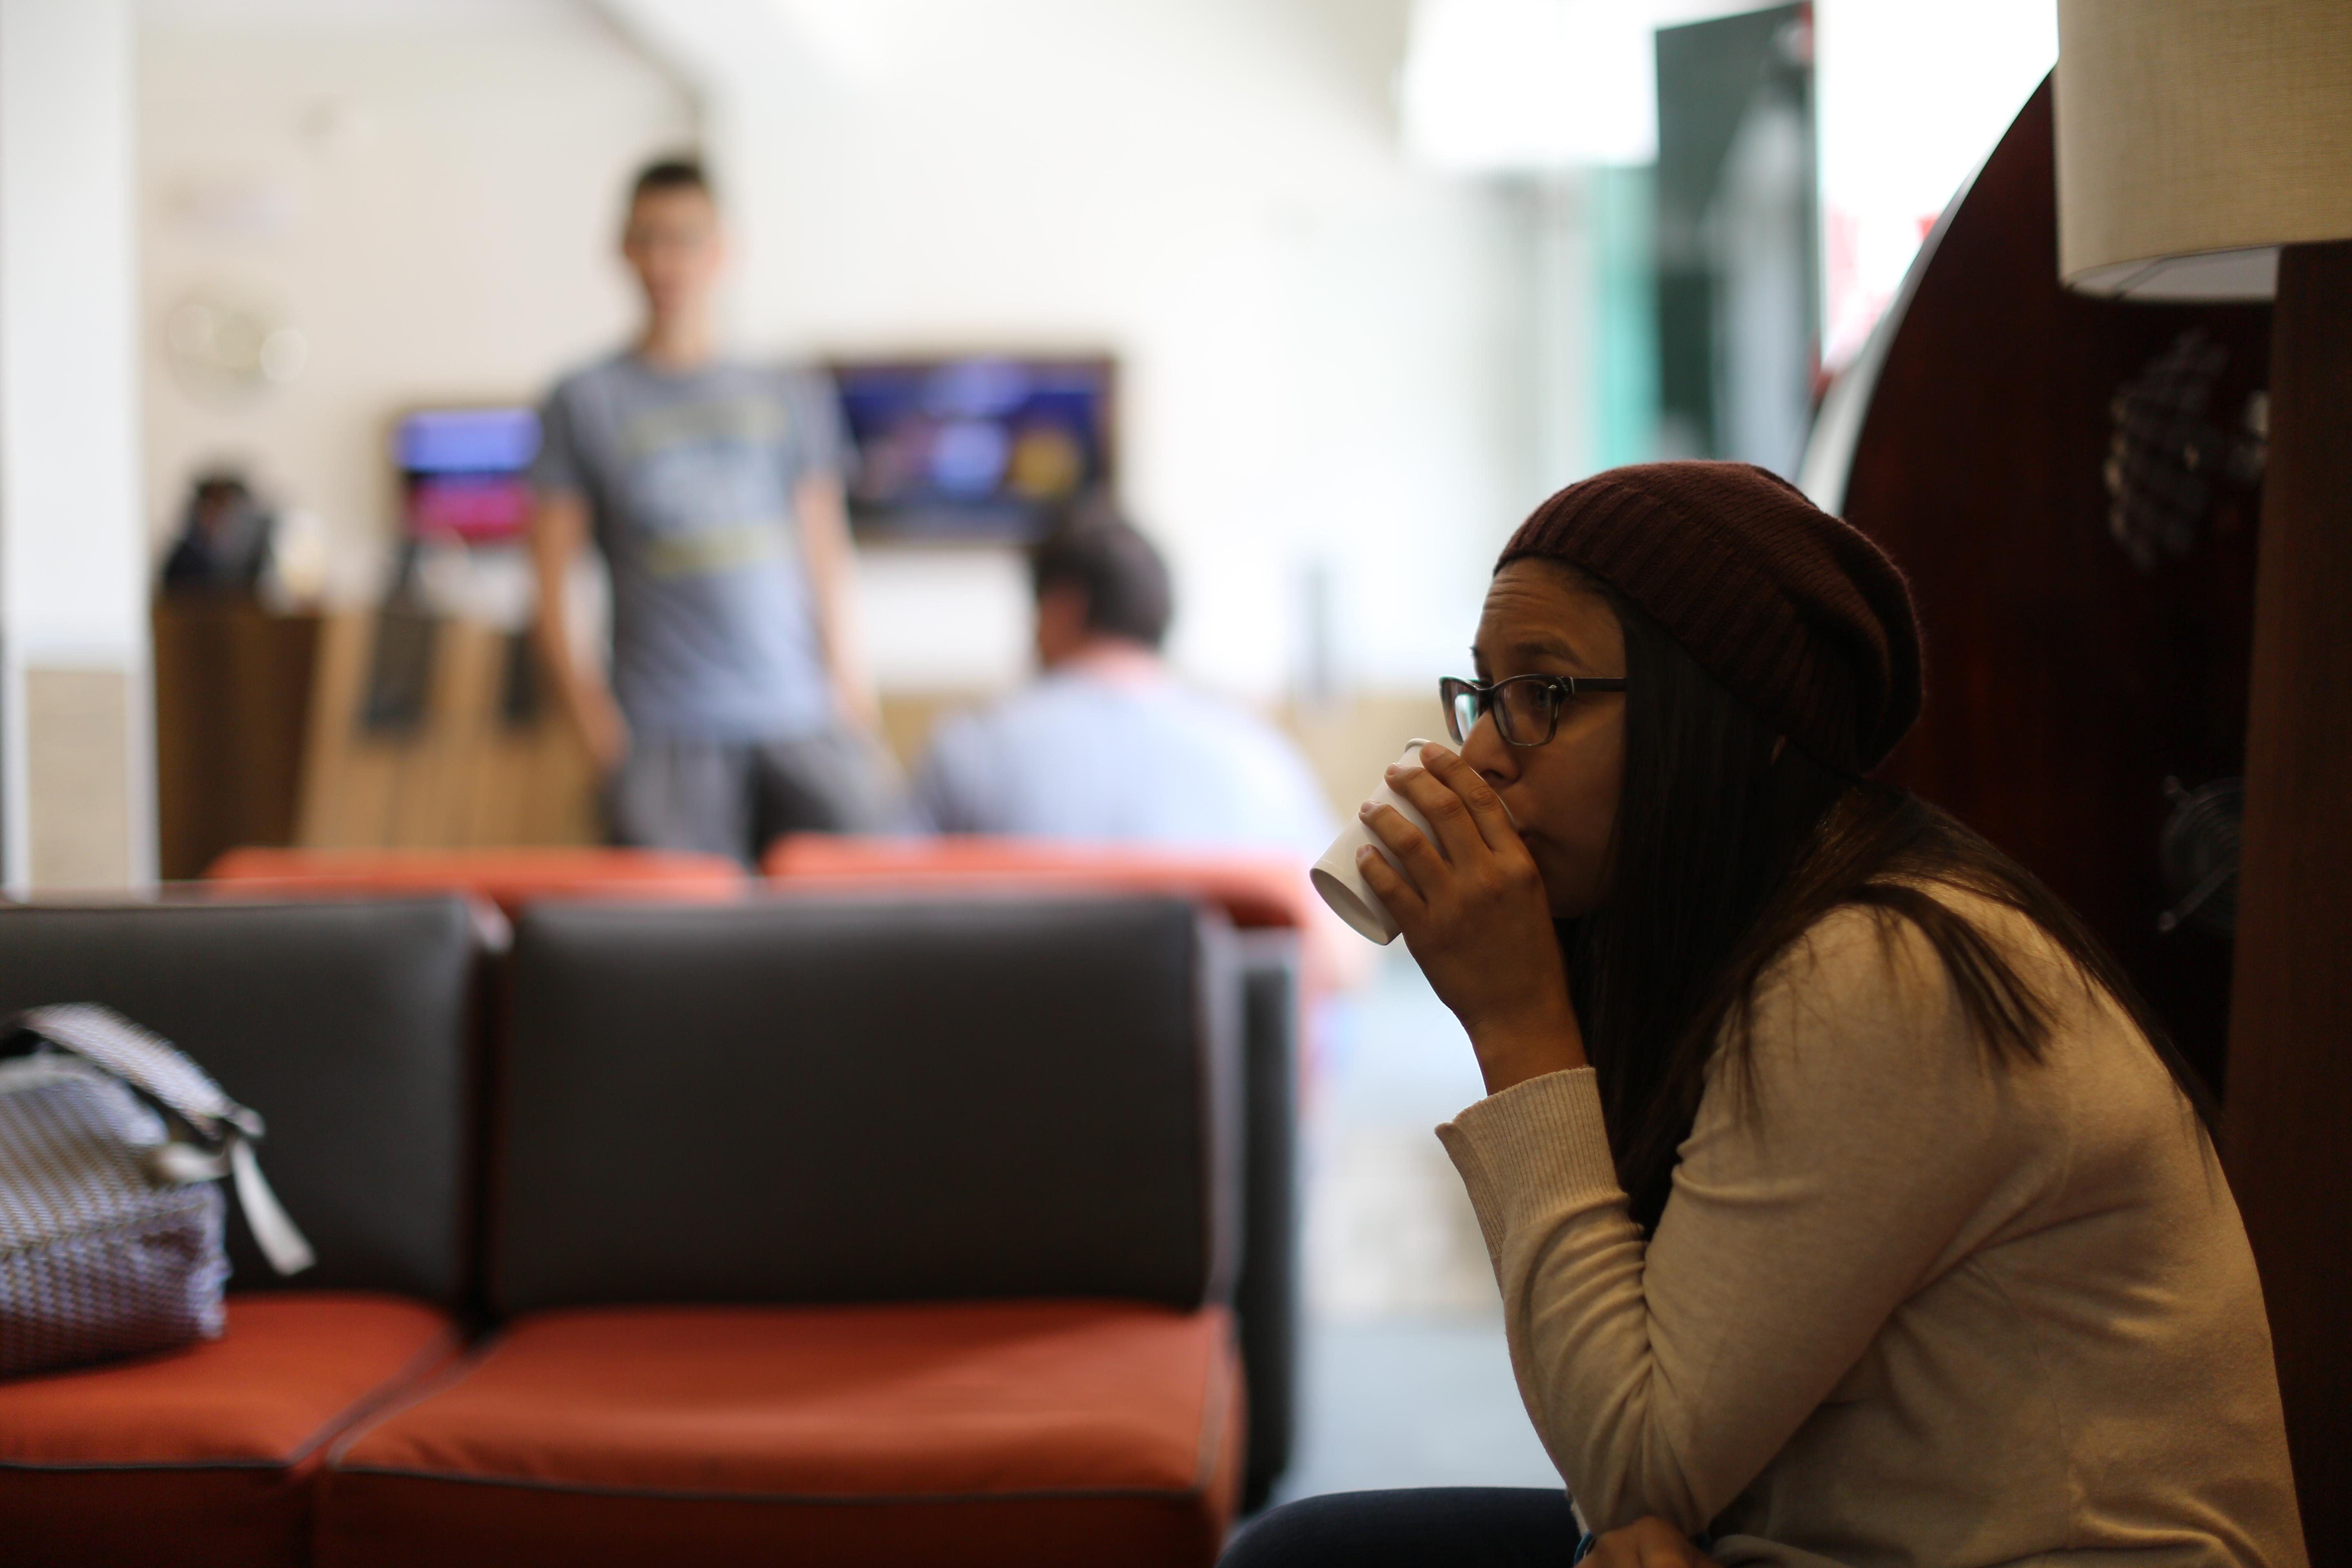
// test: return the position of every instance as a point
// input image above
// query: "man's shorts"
(734, 797)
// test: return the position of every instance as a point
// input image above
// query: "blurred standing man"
(736, 708)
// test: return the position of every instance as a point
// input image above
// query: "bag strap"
(144, 1060)
(157, 1068)
(273, 1228)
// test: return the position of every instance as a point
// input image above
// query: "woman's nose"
(1485, 749)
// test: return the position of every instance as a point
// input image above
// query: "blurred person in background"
(224, 543)
(1107, 744)
(735, 710)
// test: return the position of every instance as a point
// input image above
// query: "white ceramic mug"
(1341, 881)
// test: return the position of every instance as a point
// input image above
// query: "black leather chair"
(863, 1228)
(350, 1027)
(1267, 1297)
(867, 1098)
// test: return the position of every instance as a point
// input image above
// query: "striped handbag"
(112, 1147)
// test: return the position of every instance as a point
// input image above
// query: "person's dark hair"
(670, 174)
(1730, 843)
(1123, 578)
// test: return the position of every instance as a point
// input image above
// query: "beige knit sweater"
(1903, 1306)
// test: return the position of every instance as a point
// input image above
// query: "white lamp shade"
(2195, 137)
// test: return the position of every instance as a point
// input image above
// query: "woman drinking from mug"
(1848, 1206)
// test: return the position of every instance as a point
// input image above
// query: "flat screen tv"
(977, 449)
(465, 472)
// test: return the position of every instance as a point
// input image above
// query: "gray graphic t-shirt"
(689, 478)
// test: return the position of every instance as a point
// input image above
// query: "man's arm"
(559, 530)
(823, 516)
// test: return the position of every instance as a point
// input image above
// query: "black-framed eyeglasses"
(1526, 708)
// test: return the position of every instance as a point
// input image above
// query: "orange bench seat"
(508, 878)
(1033, 1433)
(1255, 890)
(205, 1456)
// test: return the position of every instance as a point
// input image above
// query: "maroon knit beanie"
(1797, 613)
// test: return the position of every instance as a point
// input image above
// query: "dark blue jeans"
(1432, 1527)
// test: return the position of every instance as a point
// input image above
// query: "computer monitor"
(465, 472)
(973, 449)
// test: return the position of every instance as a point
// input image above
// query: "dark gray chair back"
(867, 1098)
(347, 1025)
(1266, 1294)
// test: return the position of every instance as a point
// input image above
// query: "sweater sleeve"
(1663, 1377)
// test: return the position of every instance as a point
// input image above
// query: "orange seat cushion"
(975, 1432)
(507, 877)
(207, 1454)
(1254, 890)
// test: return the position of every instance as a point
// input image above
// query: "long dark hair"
(1729, 844)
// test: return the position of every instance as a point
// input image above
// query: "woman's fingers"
(1405, 901)
(1423, 863)
(1458, 837)
(1487, 812)
(1614, 1550)
(1649, 1542)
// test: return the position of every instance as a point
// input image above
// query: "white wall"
(1325, 350)
(428, 190)
(73, 638)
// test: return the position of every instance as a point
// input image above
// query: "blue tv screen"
(464, 471)
(974, 450)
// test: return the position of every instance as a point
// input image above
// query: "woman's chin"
(1571, 902)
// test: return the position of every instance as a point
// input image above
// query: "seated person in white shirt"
(1105, 744)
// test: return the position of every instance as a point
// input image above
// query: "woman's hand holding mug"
(1649, 1542)
(1472, 908)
